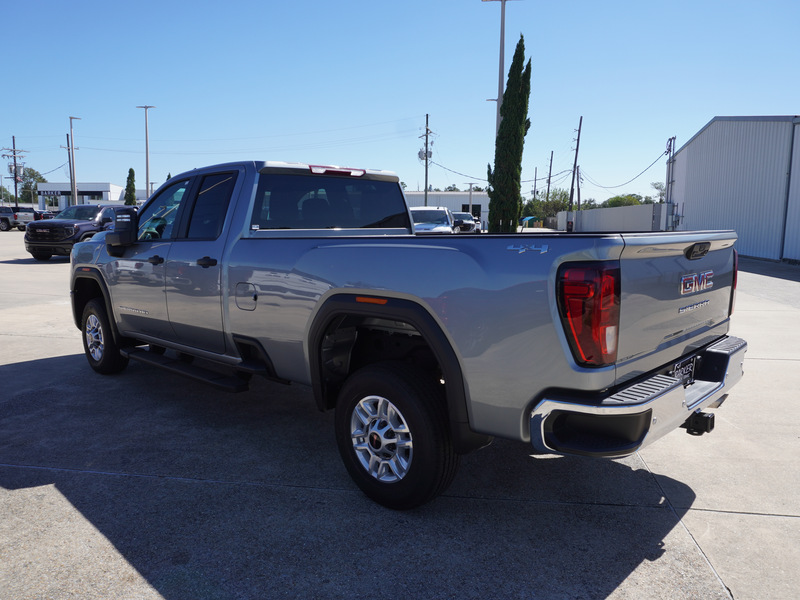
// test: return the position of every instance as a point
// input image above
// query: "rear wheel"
(393, 436)
(5, 225)
(101, 349)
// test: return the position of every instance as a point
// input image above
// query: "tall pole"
(74, 190)
(549, 175)
(146, 152)
(69, 160)
(575, 164)
(502, 61)
(427, 131)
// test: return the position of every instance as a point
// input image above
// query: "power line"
(56, 169)
(611, 187)
(457, 173)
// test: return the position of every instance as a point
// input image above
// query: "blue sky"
(350, 83)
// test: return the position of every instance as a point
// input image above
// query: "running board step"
(228, 383)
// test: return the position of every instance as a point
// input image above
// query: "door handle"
(155, 260)
(206, 262)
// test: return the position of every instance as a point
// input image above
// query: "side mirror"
(124, 233)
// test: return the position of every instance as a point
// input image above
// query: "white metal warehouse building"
(743, 173)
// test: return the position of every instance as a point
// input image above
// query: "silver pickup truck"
(15, 216)
(427, 347)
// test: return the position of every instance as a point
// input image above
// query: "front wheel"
(41, 256)
(101, 349)
(393, 436)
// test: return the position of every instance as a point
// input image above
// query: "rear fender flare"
(425, 323)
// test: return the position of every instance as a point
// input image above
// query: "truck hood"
(431, 228)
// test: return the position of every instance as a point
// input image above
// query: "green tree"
(623, 200)
(661, 190)
(30, 177)
(505, 180)
(541, 208)
(130, 189)
(452, 188)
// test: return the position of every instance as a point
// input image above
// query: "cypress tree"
(130, 189)
(505, 201)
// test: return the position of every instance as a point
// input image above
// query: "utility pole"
(575, 164)
(549, 175)
(73, 181)
(15, 170)
(146, 153)
(671, 217)
(426, 156)
(69, 161)
(535, 176)
(579, 187)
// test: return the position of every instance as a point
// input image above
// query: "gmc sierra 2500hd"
(588, 344)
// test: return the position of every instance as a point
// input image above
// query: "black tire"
(42, 256)
(99, 345)
(21, 227)
(5, 225)
(391, 401)
(86, 236)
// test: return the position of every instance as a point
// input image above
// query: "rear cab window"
(300, 201)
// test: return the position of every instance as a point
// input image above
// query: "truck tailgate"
(675, 296)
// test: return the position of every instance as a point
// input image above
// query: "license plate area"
(685, 370)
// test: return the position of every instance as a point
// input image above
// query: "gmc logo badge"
(696, 282)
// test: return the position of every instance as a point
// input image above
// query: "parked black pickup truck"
(77, 223)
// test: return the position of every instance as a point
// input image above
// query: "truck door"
(194, 267)
(138, 286)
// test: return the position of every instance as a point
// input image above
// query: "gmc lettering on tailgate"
(696, 282)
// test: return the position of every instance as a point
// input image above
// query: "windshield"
(82, 212)
(463, 216)
(433, 216)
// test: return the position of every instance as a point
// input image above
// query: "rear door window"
(211, 206)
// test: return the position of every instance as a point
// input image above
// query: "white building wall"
(645, 217)
(791, 248)
(733, 175)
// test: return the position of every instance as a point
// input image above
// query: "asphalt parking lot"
(147, 485)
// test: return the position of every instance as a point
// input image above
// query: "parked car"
(468, 223)
(15, 216)
(433, 219)
(78, 223)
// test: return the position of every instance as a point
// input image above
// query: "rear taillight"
(588, 302)
(735, 282)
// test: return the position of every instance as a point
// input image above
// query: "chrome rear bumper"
(636, 416)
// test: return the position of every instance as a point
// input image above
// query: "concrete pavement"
(147, 485)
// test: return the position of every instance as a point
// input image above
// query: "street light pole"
(146, 152)
(502, 58)
(74, 187)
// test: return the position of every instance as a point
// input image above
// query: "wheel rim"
(94, 337)
(381, 439)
